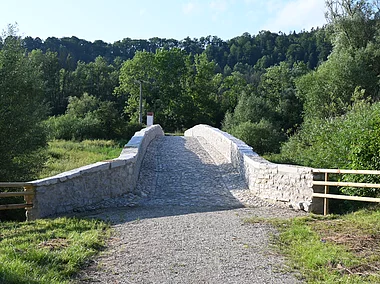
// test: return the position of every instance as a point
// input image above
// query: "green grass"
(67, 155)
(48, 251)
(332, 249)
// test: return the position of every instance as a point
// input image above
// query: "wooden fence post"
(325, 200)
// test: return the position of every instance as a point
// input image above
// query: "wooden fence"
(28, 194)
(326, 183)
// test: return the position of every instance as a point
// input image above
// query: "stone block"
(115, 163)
(45, 181)
(93, 168)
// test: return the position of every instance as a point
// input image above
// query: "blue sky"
(112, 20)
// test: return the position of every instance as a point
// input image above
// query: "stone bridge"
(205, 168)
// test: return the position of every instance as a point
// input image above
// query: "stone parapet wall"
(284, 184)
(87, 187)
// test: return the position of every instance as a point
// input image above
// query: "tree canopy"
(21, 111)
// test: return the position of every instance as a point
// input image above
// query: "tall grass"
(48, 251)
(67, 155)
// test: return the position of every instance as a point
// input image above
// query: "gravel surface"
(188, 226)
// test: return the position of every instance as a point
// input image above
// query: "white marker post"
(149, 119)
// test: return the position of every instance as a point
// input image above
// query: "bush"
(68, 127)
(88, 118)
(365, 155)
(263, 137)
(349, 142)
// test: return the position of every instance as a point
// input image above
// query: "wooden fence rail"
(28, 194)
(326, 183)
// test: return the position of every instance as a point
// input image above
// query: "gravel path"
(188, 226)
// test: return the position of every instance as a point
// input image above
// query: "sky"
(113, 20)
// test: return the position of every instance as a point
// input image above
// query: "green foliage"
(48, 251)
(80, 107)
(354, 23)
(365, 154)
(231, 87)
(181, 91)
(348, 142)
(265, 117)
(97, 78)
(328, 91)
(341, 108)
(262, 136)
(88, 118)
(71, 127)
(277, 86)
(21, 113)
(48, 63)
(264, 49)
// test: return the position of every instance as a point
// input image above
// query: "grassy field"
(67, 155)
(331, 249)
(48, 251)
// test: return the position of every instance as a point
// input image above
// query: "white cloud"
(295, 15)
(219, 6)
(190, 8)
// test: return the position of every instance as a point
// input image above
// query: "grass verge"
(48, 251)
(331, 249)
(67, 155)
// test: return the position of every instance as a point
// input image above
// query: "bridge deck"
(179, 171)
(189, 228)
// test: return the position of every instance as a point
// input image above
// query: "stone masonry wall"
(284, 184)
(89, 186)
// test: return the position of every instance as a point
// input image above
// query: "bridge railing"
(27, 193)
(326, 183)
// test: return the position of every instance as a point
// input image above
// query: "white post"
(149, 119)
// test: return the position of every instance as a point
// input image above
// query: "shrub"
(349, 142)
(263, 137)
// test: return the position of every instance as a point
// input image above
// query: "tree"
(97, 78)
(264, 117)
(341, 98)
(278, 88)
(21, 112)
(202, 88)
(140, 68)
(180, 89)
(354, 62)
(354, 22)
(48, 63)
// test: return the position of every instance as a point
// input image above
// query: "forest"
(309, 98)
